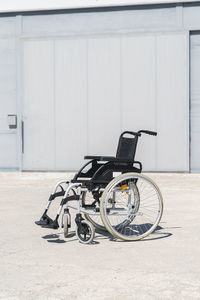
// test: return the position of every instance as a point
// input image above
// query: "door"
(80, 93)
(38, 105)
(154, 91)
(195, 102)
(54, 104)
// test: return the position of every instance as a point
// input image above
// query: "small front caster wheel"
(66, 224)
(85, 232)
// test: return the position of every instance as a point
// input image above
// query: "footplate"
(46, 222)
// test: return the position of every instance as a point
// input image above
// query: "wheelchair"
(111, 194)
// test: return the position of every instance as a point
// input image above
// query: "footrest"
(53, 225)
(41, 222)
(46, 222)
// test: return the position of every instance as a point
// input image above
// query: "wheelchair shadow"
(101, 234)
(156, 235)
(55, 238)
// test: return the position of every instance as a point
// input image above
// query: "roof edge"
(86, 4)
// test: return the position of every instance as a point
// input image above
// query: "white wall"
(8, 91)
(195, 102)
(98, 22)
(81, 93)
(158, 19)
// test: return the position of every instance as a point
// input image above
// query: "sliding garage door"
(195, 101)
(80, 94)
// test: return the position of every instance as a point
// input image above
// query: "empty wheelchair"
(110, 193)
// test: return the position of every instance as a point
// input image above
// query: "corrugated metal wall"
(79, 94)
(8, 86)
(81, 78)
(195, 101)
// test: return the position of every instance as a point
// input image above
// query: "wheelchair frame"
(95, 180)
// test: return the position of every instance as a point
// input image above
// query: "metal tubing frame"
(85, 211)
(54, 191)
(70, 186)
(58, 184)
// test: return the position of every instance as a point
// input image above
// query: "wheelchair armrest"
(138, 163)
(101, 158)
(108, 158)
(92, 157)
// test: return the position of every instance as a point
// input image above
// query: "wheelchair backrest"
(126, 147)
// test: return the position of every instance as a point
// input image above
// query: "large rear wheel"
(131, 206)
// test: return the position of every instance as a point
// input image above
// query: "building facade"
(73, 80)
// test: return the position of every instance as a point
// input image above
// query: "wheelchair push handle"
(139, 132)
(148, 132)
(131, 132)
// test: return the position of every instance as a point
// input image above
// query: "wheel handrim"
(144, 215)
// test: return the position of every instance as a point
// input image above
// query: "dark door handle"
(22, 127)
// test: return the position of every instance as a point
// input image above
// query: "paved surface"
(38, 263)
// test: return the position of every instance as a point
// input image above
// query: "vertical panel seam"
(87, 101)
(179, 15)
(121, 85)
(19, 87)
(156, 100)
(54, 104)
(188, 103)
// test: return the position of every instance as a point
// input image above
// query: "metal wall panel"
(38, 105)
(70, 103)
(104, 121)
(157, 18)
(195, 101)
(154, 89)
(8, 153)
(101, 22)
(138, 93)
(172, 102)
(8, 26)
(191, 15)
(94, 88)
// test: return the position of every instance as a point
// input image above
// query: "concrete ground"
(38, 263)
